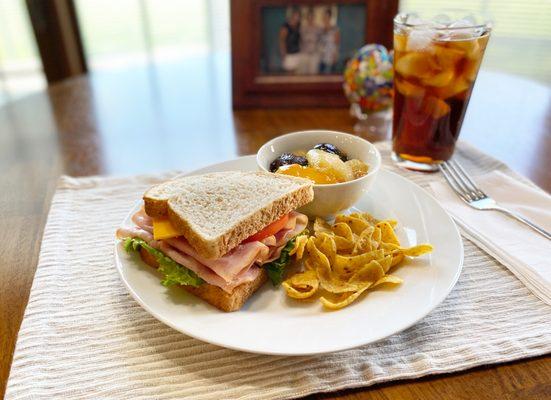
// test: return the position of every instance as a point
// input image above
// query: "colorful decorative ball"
(368, 78)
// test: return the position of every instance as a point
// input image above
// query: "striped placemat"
(84, 337)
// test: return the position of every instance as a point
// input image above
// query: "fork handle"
(520, 218)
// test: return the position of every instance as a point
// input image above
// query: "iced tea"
(434, 73)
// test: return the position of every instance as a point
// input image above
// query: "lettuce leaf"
(276, 268)
(173, 273)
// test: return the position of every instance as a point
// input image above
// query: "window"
(20, 67)
(130, 32)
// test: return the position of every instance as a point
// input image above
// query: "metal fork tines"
(470, 193)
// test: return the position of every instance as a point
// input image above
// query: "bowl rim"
(370, 172)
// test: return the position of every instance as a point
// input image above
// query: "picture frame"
(254, 88)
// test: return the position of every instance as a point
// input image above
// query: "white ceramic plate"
(271, 323)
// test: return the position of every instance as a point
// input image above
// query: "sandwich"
(222, 235)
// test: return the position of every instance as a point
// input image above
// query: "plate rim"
(334, 349)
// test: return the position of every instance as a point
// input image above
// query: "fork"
(466, 189)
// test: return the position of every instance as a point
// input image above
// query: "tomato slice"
(270, 230)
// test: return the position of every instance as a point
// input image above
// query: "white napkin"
(526, 253)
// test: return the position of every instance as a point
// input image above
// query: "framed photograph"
(293, 53)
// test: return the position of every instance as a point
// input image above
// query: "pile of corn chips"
(343, 260)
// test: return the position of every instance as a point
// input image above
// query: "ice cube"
(470, 69)
(471, 47)
(439, 80)
(447, 56)
(420, 39)
(435, 107)
(400, 42)
(413, 19)
(442, 20)
(408, 89)
(457, 86)
(465, 22)
(415, 64)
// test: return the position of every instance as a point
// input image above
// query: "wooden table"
(174, 116)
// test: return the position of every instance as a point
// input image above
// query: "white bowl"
(333, 198)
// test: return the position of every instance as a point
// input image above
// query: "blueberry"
(287, 159)
(331, 148)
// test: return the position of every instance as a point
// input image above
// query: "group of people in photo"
(309, 47)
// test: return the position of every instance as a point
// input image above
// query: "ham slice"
(296, 224)
(143, 220)
(275, 252)
(206, 273)
(189, 262)
(231, 264)
(238, 266)
(269, 241)
(134, 232)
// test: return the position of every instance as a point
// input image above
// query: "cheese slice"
(163, 229)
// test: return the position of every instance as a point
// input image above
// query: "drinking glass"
(436, 61)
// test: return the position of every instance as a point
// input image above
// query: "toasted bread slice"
(218, 211)
(213, 294)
